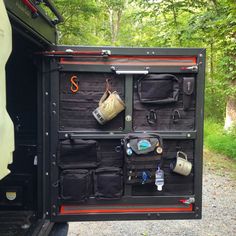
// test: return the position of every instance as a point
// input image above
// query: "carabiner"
(74, 87)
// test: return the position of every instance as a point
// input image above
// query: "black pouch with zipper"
(188, 88)
(75, 185)
(108, 183)
(77, 153)
(158, 89)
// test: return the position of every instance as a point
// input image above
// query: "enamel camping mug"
(181, 165)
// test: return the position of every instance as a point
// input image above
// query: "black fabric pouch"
(77, 153)
(158, 89)
(108, 183)
(188, 88)
(75, 185)
(110, 153)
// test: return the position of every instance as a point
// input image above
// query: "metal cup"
(109, 107)
(181, 165)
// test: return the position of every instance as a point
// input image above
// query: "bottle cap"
(159, 187)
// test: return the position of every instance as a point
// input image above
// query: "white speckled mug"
(181, 165)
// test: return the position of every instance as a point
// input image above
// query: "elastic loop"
(152, 117)
(176, 116)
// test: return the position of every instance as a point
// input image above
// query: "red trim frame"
(64, 211)
(129, 60)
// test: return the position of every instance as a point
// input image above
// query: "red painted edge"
(150, 60)
(63, 211)
(30, 6)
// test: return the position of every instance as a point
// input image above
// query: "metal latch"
(106, 52)
(192, 68)
(128, 72)
(188, 201)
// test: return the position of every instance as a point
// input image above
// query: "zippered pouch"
(78, 153)
(158, 89)
(108, 183)
(75, 185)
(188, 89)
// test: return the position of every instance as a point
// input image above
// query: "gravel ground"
(219, 211)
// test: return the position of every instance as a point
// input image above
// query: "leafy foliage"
(162, 23)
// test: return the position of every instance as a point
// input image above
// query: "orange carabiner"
(74, 84)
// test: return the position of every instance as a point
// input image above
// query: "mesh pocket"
(76, 185)
(78, 153)
(158, 89)
(108, 183)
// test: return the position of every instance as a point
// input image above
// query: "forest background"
(210, 24)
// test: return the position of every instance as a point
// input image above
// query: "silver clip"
(193, 68)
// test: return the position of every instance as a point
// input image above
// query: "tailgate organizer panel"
(125, 133)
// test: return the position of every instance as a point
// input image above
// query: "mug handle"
(106, 94)
(179, 153)
(104, 97)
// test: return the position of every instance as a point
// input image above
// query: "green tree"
(164, 23)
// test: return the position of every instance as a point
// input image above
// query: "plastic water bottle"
(159, 179)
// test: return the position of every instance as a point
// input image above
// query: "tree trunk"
(230, 116)
(115, 18)
(175, 14)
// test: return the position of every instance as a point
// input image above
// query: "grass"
(215, 139)
(219, 164)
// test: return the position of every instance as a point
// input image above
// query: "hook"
(74, 84)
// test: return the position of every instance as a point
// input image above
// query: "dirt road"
(219, 210)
